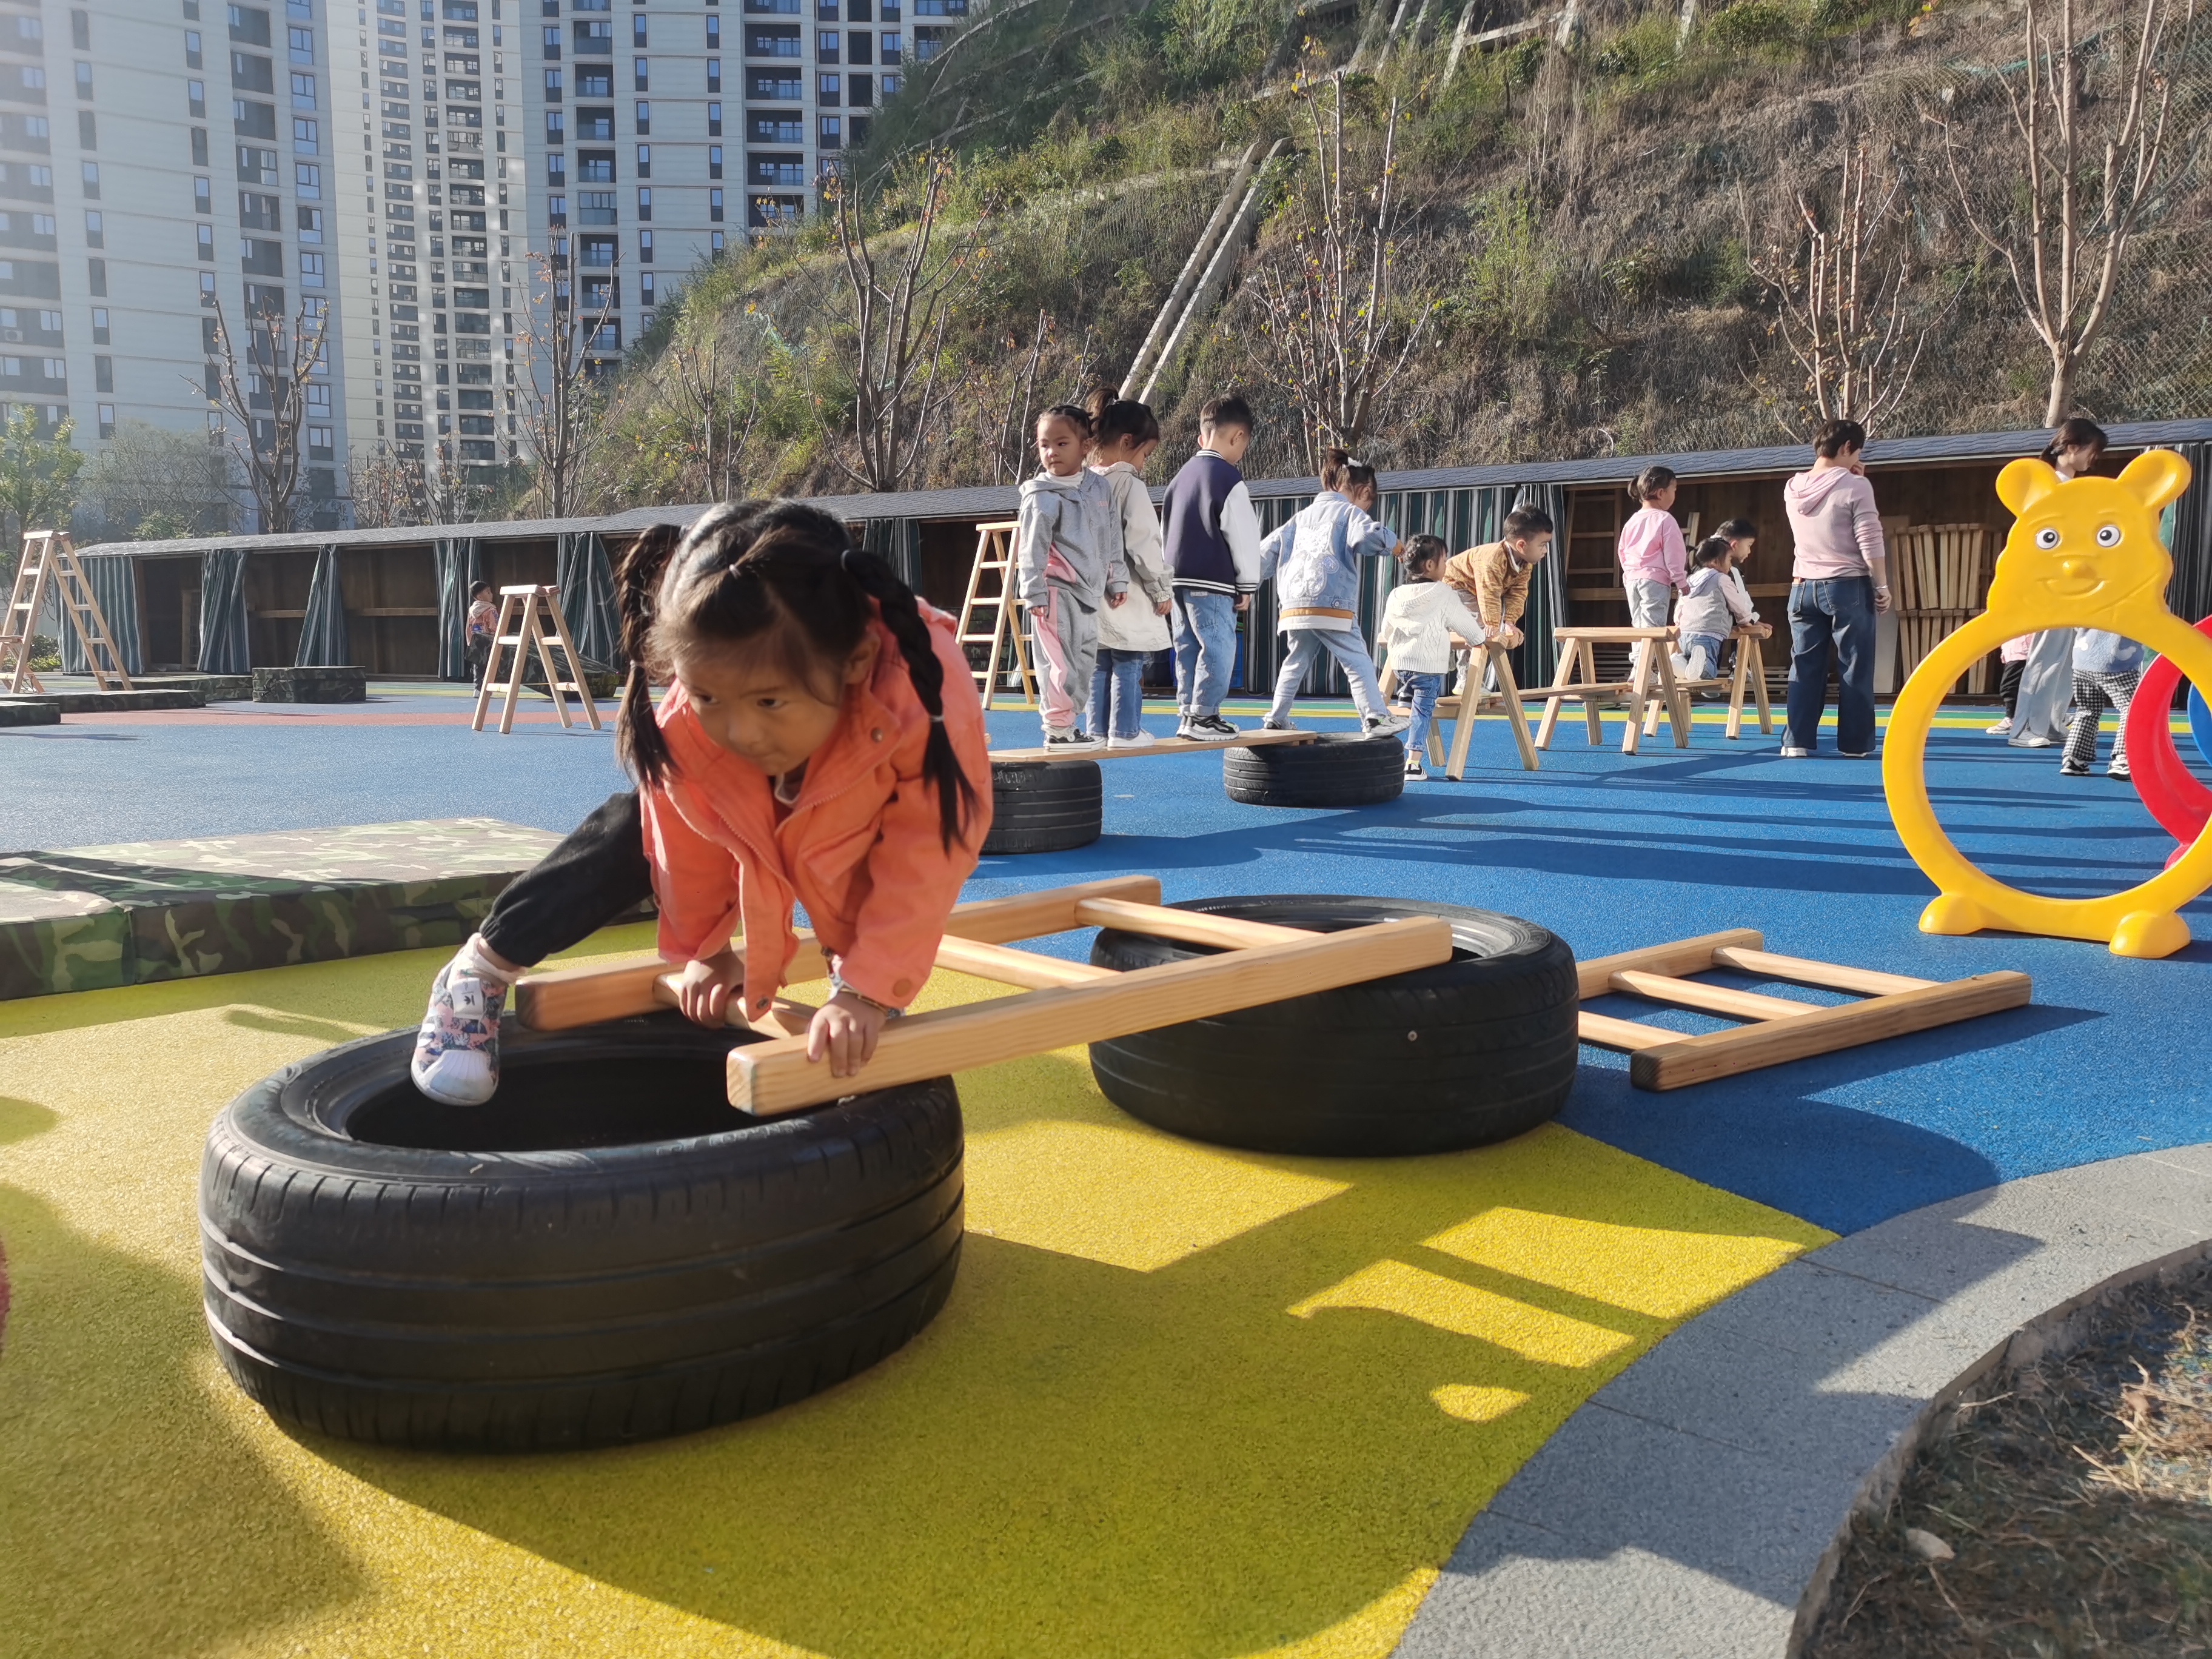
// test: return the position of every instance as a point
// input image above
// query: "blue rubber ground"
(1609, 851)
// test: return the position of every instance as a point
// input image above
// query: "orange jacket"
(860, 848)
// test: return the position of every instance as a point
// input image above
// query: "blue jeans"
(1118, 685)
(1205, 649)
(1701, 656)
(1838, 612)
(1424, 689)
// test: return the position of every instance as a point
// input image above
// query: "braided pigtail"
(637, 587)
(956, 795)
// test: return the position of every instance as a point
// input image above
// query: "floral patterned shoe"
(456, 1051)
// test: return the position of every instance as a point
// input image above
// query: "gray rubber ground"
(1693, 1508)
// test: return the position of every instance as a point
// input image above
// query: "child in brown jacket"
(1495, 576)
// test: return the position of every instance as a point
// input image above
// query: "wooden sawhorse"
(1749, 673)
(1650, 649)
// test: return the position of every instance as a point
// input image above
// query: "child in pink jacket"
(815, 746)
(1654, 564)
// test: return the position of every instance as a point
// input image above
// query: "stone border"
(1695, 1507)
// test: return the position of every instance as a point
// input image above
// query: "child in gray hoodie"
(1067, 556)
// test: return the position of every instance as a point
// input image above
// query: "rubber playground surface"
(1184, 1400)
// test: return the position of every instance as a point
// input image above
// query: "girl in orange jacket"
(816, 745)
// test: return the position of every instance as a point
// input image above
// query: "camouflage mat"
(86, 918)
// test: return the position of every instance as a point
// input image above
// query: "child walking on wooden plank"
(817, 746)
(1211, 551)
(1067, 553)
(1415, 637)
(1653, 562)
(1315, 559)
(1130, 633)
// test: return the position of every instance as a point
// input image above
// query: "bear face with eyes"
(2089, 543)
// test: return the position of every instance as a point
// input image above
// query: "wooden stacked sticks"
(1941, 576)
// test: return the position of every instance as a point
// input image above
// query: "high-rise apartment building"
(159, 162)
(432, 248)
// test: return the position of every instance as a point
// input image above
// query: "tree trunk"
(2062, 385)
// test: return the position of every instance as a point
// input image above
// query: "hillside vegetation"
(1592, 215)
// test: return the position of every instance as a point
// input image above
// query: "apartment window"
(84, 79)
(319, 444)
(207, 242)
(310, 180)
(645, 161)
(196, 97)
(890, 49)
(598, 207)
(311, 223)
(307, 137)
(715, 206)
(645, 252)
(107, 419)
(96, 277)
(193, 56)
(863, 91)
(825, 46)
(553, 43)
(637, 30)
(858, 46)
(889, 12)
(103, 374)
(644, 205)
(91, 170)
(715, 241)
(311, 270)
(713, 34)
(828, 89)
(556, 209)
(714, 121)
(640, 74)
(202, 196)
(890, 87)
(825, 12)
(303, 92)
(857, 12)
(713, 75)
(556, 127)
(594, 80)
(95, 228)
(832, 133)
(80, 30)
(200, 147)
(596, 167)
(553, 86)
(302, 43)
(207, 286)
(644, 117)
(88, 130)
(713, 161)
(99, 330)
(645, 289)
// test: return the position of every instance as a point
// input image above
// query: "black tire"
(605, 1253)
(1337, 768)
(1045, 806)
(1475, 1050)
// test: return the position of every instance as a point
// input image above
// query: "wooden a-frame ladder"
(994, 552)
(529, 619)
(48, 557)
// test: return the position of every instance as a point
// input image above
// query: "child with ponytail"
(1420, 620)
(817, 746)
(1067, 556)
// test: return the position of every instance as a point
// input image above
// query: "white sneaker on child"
(1142, 739)
(456, 1058)
(2000, 729)
(1068, 738)
(1388, 726)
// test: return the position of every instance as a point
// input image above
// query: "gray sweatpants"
(1064, 632)
(1649, 602)
(1306, 645)
(2047, 686)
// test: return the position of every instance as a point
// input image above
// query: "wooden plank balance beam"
(1066, 1003)
(1165, 747)
(1779, 1029)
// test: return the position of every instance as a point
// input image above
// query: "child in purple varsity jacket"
(1211, 551)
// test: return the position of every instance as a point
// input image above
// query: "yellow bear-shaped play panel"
(2083, 553)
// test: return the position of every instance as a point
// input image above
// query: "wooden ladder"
(48, 557)
(994, 552)
(523, 615)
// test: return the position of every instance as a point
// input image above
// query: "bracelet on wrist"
(839, 987)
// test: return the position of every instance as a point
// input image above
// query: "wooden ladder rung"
(1710, 999)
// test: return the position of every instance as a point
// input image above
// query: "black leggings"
(2009, 687)
(597, 875)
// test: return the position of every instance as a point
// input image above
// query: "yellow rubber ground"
(1183, 1401)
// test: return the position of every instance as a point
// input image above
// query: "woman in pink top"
(1840, 581)
(1654, 564)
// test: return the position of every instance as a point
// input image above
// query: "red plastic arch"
(2181, 805)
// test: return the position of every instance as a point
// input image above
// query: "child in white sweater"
(1418, 620)
(1710, 609)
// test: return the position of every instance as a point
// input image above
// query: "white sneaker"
(1071, 739)
(1278, 725)
(1789, 753)
(2000, 729)
(1388, 726)
(456, 1061)
(2030, 740)
(1143, 740)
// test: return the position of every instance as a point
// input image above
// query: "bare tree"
(2064, 221)
(387, 488)
(562, 400)
(897, 314)
(265, 399)
(715, 412)
(146, 471)
(1839, 287)
(1335, 330)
